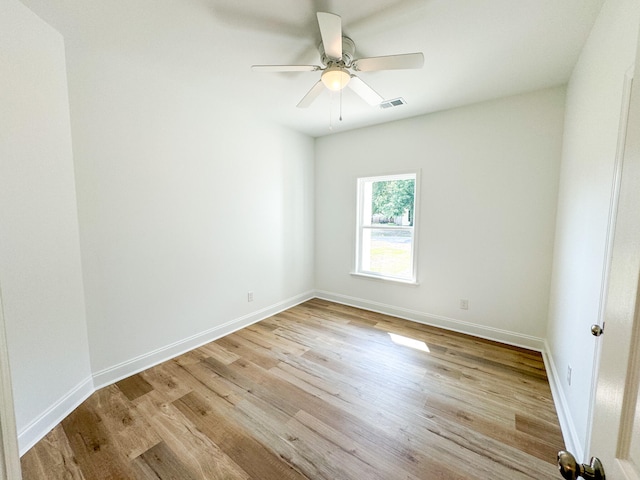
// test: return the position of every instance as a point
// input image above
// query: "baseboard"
(43, 424)
(571, 439)
(135, 365)
(482, 331)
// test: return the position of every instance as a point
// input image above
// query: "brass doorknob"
(570, 469)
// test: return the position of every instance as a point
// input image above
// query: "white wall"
(173, 242)
(486, 214)
(594, 99)
(185, 201)
(40, 268)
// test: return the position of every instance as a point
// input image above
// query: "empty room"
(311, 239)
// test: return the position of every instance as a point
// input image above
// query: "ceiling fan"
(336, 55)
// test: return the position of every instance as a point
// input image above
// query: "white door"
(615, 436)
(9, 459)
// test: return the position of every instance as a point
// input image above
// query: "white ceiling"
(474, 50)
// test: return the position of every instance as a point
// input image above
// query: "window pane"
(387, 252)
(392, 202)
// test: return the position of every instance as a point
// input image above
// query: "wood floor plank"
(199, 455)
(92, 447)
(166, 380)
(369, 421)
(332, 460)
(477, 454)
(127, 428)
(253, 457)
(270, 340)
(501, 426)
(134, 386)
(235, 344)
(53, 457)
(217, 351)
(321, 391)
(375, 465)
(164, 463)
(266, 422)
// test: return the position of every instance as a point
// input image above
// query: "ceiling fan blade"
(311, 95)
(389, 62)
(285, 68)
(331, 31)
(365, 92)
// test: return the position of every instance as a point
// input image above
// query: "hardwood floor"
(320, 391)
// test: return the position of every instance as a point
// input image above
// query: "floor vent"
(396, 102)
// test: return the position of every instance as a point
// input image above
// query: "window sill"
(411, 283)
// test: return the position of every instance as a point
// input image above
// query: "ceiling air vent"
(396, 102)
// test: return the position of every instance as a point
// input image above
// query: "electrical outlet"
(464, 304)
(569, 374)
(249, 296)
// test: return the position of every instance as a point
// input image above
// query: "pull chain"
(330, 111)
(331, 105)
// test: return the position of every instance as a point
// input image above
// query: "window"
(385, 245)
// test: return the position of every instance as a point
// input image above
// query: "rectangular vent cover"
(396, 102)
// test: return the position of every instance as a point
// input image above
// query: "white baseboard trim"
(571, 440)
(482, 331)
(43, 424)
(135, 365)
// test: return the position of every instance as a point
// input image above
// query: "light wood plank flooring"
(320, 391)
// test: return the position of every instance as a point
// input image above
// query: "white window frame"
(363, 223)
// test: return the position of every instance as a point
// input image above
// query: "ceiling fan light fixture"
(335, 78)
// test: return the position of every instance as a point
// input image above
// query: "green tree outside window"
(393, 198)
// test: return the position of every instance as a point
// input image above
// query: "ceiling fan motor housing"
(348, 51)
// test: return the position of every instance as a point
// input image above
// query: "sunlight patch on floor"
(409, 342)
